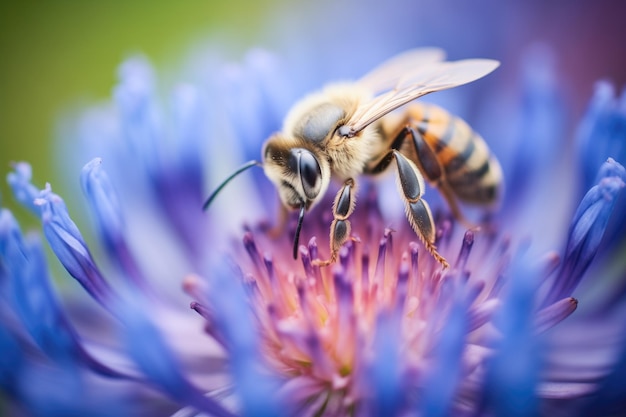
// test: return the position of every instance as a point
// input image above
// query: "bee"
(352, 129)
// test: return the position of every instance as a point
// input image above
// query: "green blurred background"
(56, 53)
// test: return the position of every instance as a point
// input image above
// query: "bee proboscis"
(352, 129)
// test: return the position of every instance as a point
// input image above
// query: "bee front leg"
(417, 210)
(343, 207)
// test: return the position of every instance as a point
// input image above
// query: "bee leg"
(418, 212)
(343, 206)
(430, 166)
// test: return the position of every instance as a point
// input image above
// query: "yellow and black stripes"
(472, 173)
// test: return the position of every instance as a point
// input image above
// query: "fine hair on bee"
(371, 125)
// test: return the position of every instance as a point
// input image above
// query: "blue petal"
(440, 384)
(587, 229)
(157, 362)
(513, 372)
(172, 169)
(23, 190)
(384, 375)
(602, 135)
(104, 203)
(52, 391)
(139, 121)
(32, 298)
(610, 399)
(540, 130)
(253, 105)
(257, 390)
(11, 361)
(31, 295)
(179, 183)
(69, 246)
(602, 132)
(249, 96)
(190, 128)
(615, 234)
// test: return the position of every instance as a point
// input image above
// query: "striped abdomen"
(470, 169)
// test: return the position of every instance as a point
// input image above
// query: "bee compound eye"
(319, 122)
(310, 173)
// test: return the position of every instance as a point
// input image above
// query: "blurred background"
(55, 55)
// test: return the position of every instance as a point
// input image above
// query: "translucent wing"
(433, 77)
(386, 75)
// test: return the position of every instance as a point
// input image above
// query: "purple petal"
(209, 325)
(466, 248)
(555, 313)
(482, 313)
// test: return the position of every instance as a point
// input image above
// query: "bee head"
(301, 177)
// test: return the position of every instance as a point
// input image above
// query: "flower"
(385, 330)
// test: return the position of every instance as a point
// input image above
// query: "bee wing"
(433, 77)
(387, 75)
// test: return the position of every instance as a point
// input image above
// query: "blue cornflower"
(384, 331)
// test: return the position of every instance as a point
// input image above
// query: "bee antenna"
(241, 169)
(296, 238)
